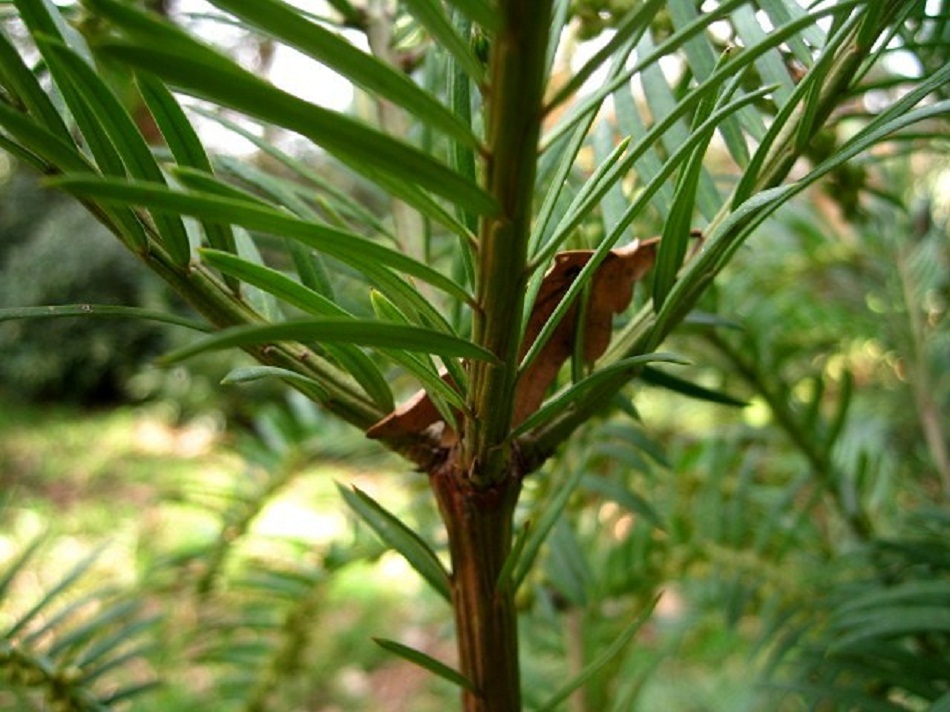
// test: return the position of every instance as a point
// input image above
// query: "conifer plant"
(549, 221)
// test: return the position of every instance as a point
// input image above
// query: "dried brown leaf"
(412, 416)
(611, 291)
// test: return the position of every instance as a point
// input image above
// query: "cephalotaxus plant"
(502, 277)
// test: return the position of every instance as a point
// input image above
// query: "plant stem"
(513, 122)
(479, 525)
(574, 645)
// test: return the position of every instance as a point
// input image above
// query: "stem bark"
(479, 526)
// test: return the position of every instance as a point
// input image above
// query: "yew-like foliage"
(550, 222)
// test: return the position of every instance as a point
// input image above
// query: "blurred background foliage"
(52, 251)
(796, 533)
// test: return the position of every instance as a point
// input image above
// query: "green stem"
(513, 122)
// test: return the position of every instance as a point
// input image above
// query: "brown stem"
(574, 644)
(479, 525)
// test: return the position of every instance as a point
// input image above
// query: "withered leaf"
(610, 292)
(412, 416)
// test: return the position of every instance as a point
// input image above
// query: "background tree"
(467, 288)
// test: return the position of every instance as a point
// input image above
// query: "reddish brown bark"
(479, 526)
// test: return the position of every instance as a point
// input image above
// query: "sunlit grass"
(62, 457)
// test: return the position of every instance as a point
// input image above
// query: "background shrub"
(53, 252)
